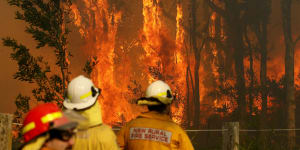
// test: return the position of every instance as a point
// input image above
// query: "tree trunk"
(263, 77)
(62, 50)
(195, 49)
(234, 25)
(187, 98)
(235, 41)
(289, 71)
(197, 90)
(251, 72)
(240, 85)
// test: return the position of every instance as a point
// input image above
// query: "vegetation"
(46, 23)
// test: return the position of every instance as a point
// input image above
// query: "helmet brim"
(69, 120)
(78, 106)
(35, 143)
(66, 126)
(154, 100)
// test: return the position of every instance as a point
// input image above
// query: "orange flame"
(162, 58)
(179, 71)
(100, 33)
(159, 49)
(151, 40)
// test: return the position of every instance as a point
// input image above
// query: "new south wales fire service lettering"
(150, 134)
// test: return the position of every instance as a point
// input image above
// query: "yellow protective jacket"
(35, 144)
(93, 134)
(153, 131)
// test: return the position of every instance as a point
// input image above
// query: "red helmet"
(42, 118)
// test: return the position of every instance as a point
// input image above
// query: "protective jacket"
(93, 134)
(35, 144)
(153, 131)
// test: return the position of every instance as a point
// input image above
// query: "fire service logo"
(150, 134)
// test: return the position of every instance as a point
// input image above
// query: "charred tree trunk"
(234, 28)
(259, 27)
(251, 83)
(289, 71)
(197, 90)
(62, 53)
(234, 25)
(189, 94)
(251, 73)
(195, 49)
(188, 105)
(263, 77)
(240, 83)
(198, 28)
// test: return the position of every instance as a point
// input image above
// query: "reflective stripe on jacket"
(153, 131)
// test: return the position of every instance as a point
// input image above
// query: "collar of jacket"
(45, 148)
(93, 114)
(156, 115)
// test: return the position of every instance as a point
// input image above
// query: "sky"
(10, 88)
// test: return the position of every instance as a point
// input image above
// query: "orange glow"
(100, 34)
(159, 49)
(180, 65)
(151, 36)
(161, 56)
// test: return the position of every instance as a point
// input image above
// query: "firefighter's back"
(153, 131)
(96, 138)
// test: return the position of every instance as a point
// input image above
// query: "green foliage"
(22, 103)
(28, 66)
(46, 22)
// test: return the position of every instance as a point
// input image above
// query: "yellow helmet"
(157, 93)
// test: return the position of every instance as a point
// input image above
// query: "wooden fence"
(6, 131)
(230, 133)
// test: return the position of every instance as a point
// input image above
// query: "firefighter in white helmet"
(154, 129)
(92, 135)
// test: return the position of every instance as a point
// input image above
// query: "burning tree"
(289, 70)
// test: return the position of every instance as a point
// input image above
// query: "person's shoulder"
(101, 128)
(175, 127)
(106, 127)
(134, 121)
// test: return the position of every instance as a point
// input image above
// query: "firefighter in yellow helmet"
(93, 134)
(154, 129)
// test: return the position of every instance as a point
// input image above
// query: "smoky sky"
(10, 27)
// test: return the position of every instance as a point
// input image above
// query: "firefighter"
(154, 129)
(93, 135)
(47, 128)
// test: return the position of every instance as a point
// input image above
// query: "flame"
(99, 30)
(158, 47)
(163, 57)
(178, 112)
(151, 36)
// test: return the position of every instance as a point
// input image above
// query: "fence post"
(6, 131)
(230, 135)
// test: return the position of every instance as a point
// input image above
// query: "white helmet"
(81, 93)
(157, 90)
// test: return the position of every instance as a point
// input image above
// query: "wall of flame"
(137, 44)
